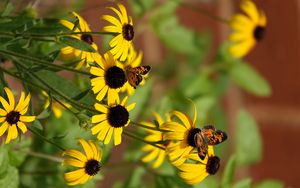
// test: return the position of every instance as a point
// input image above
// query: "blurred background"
(276, 58)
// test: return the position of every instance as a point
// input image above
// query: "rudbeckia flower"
(87, 162)
(109, 78)
(155, 154)
(193, 173)
(114, 116)
(57, 108)
(183, 134)
(69, 52)
(13, 117)
(123, 26)
(247, 29)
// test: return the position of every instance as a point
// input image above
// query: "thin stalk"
(45, 139)
(30, 35)
(43, 156)
(148, 127)
(142, 140)
(69, 100)
(41, 62)
(67, 108)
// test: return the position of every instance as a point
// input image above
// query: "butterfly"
(208, 135)
(135, 75)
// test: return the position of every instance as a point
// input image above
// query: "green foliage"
(9, 176)
(247, 78)
(228, 173)
(245, 183)
(248, 141)
(269, 183)
(140, 7)
(76, 43)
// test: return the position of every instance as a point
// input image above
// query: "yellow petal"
(2, 112)
(73, 176)
(101, 108)
(5, 105)
(160, 159)
(114, 21)
(97, 71)
(250, 9)
(112, 97)
(74, 162)
(87, 149)
(102, 93)
(124, 13)
(10, 96)
(22, 127)
(118, 136)
(184, 118)
(27, 118)
(108, 136)
(75, 154)
(3, 128)
(103, 132)
(150, 156)
(99, 118)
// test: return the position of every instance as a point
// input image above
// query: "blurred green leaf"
(269, 184)
(7, 10)
(245, 183)
(196, 85)
(76, 43)
(18, 151)
(140, 97)
(11, 178)
(135, 178)
(170, 181)
(209, 182)
(247, 78)
(204, 105)
(248, 143)
(228, 173)
(4, 160)
(140, 7)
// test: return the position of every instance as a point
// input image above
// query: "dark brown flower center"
(213, 165)
(259, 33)
(13, 117)
(115, 77)
(87, 38)
(191, 136)
(118, 116)
(128, 32)
(92, 167)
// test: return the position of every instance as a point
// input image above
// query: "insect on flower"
(208, 135)
(135, 75)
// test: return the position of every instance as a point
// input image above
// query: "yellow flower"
(112, 119)
(57, 108)
(182, 134)
(193, 173)
(122, 42)
(155, 154)
(134, 60)
(71, 53)
(12, 117)
(88, 163)
(109, 78)
(247, 29)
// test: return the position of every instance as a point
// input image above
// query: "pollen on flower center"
(259, 33)
(118, 116)
(13, 117)
(128, 32)
(213, 165)
(87, 38)
(115, 77)
(92, 167)
(191, 136)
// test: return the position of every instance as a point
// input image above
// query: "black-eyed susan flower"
(87, 162)
(114, 116)
(13, 117)
(247, 29)
(123, 26)
(154, 153)
(57, 108)
(109, 78)
(193, 173)
(86, 58)
(183, 134)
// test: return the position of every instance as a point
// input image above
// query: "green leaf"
(247, 78)
(204, 105)
(245, 183)
(270, 183)
(140, 7)
(4, 160)
(18, 151)
(228, 173)
(135, 180)
(196, 85)
(11, 178)
(248, 143)
(140, 97)
(76, 43)
(7, 9)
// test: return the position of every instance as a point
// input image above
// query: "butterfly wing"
(134, 75)
(201, 145)
(213, 136)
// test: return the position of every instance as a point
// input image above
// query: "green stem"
(41, 62)
(69, 100)
(36, 35)
(45, 139)
(43, 156)
(142, 140)
(148, 127)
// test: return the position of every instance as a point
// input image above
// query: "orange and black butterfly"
(208, 135)
(135, 75)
